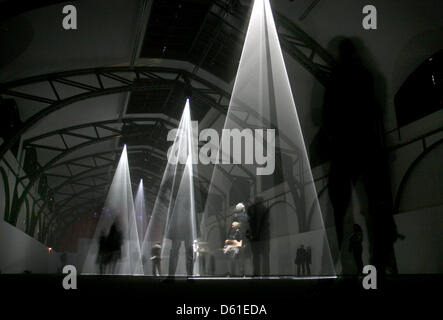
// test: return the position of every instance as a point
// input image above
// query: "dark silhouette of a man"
(300, 260)
(308, 260)
(259, 237)
(180, 230)
(356, 247)
(352, 122)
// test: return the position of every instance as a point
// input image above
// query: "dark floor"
(282, 299)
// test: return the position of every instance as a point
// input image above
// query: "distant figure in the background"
(102, 253)
(156, 258)
(300, 260)
(259, 237)
(356, 247)
(62, 263)
(308, 260)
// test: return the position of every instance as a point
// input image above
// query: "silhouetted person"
(156, 259)
(114, 243)
(212, 230)
(352, 123)
(102, 255)
(300, 260)
(259, 237)
(156, 228)
(356, 247)
(180, 230)
(109, 251)
(63, 259)
(308, 260)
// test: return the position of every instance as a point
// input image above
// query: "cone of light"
(262, 99)
(119, 210)
(140, 212)
(173, 215)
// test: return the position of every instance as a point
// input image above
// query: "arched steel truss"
(112, 80)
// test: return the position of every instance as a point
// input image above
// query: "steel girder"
(297, 43)
(75, 179)
(108, 81)
(294, 41)
(63, 152)
(210, 95)
(153, 142)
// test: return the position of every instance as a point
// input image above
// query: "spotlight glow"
(118, 209)
(262, 99)
(173, 222)
(140, 212)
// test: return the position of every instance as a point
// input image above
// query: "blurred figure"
(180, 230)
(212, 231)
(114, 244)
(109, 252)
(354, 130)
(63, 259)
(259, 237)
(349, 116)
(102, 253)
(356, 247)
(308, 261)
(300, 260)
(201, 250)
(156, 258)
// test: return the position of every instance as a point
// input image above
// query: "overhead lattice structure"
(217, 36)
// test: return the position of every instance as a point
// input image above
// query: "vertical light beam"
(261, 101)
(140, 212)
(172, 222)
(119, 211)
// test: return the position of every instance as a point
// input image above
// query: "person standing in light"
(236, 245)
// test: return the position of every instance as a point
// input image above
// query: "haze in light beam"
(172, 222)
(119, 209)
(140, 212)
(286, 201)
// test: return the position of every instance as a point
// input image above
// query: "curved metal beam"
(142, 78)
(408, 173)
